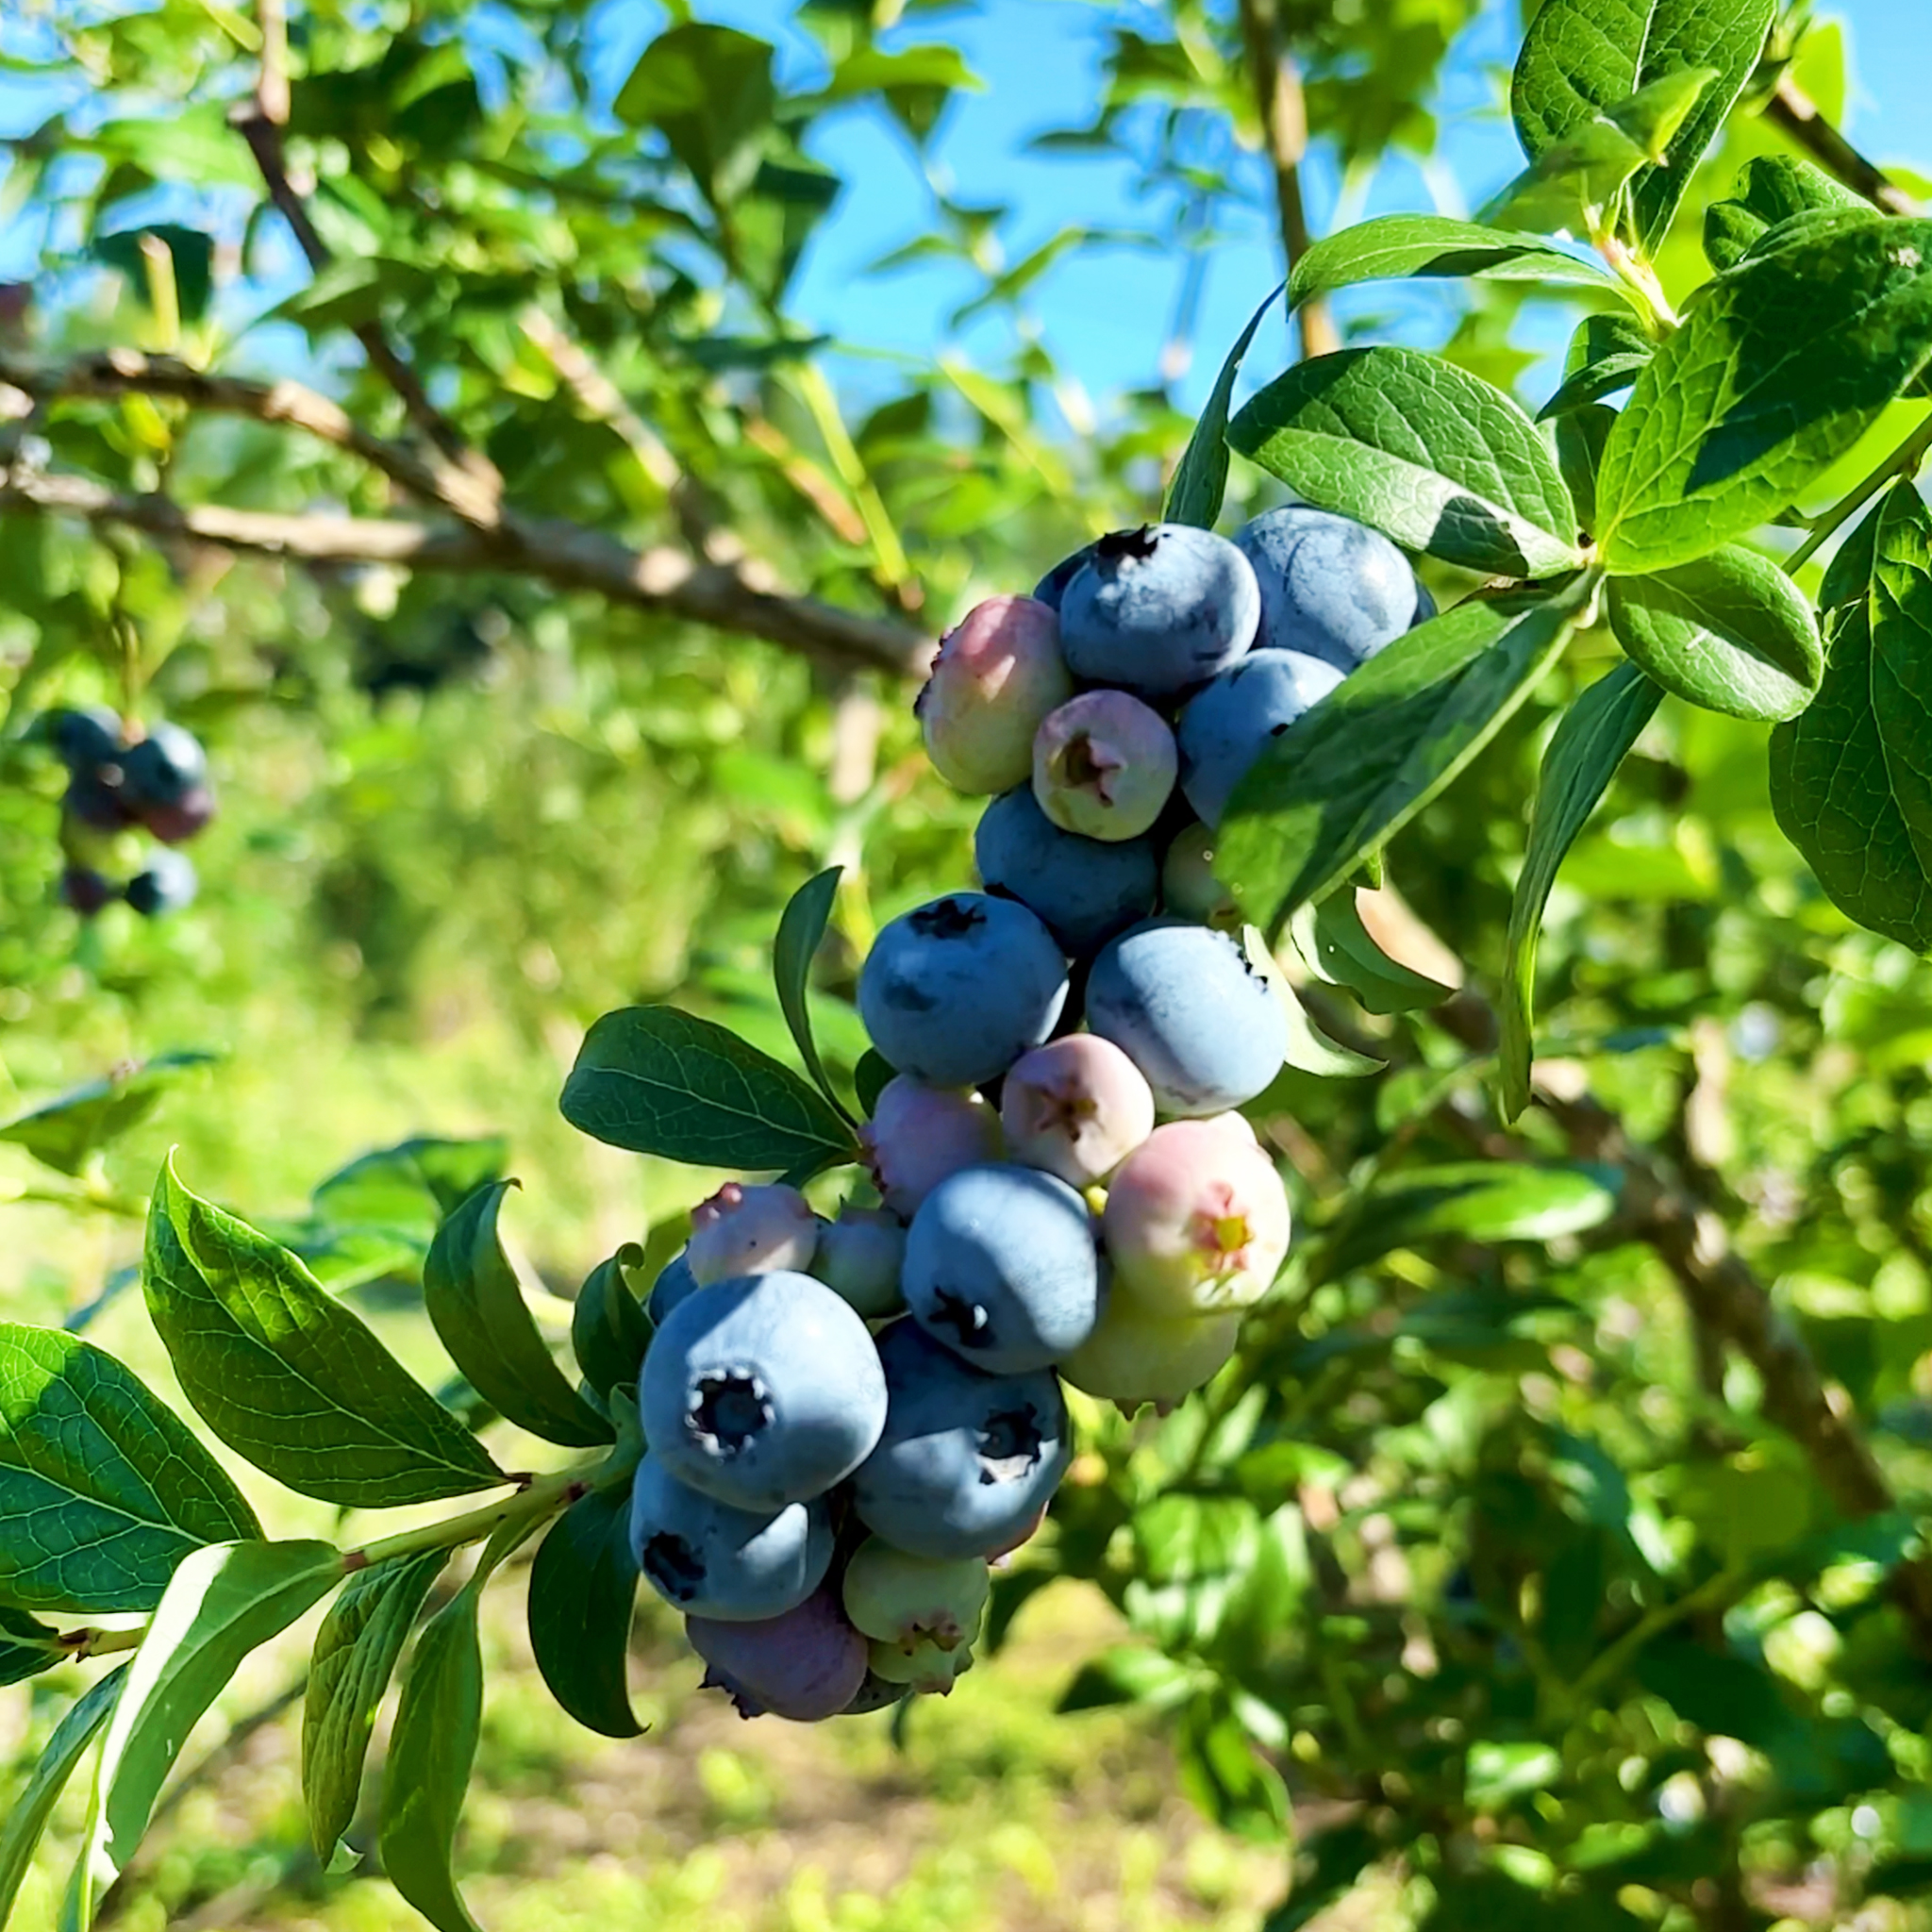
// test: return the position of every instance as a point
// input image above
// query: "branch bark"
(1791, 109)
(566, 556)
(1284, 115)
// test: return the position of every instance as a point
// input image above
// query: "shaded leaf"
(1590, 743)
(103, 1489)
(869, 1079)
(1901, 658)
(610, 1330)
(413, 1184)
(1200, 478)
(1309, 1050)
(1608, 353)
(1345, 778)
(476, 1306)
(1398, 246)
(1417, 448)
(1337, 949)
(356, 1654)
(709, 91)
(1581, 434)
(1775, 373)
(1771, 191)
(583, 1588)
(659, 1081)
(1474, 1201)
(26, 1816)
(288, 1377)
(801, 928)
(63, 1132)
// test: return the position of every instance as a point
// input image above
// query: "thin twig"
(1791, 109)
(566, 556)
(1285, 134)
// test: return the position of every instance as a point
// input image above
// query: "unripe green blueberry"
(1104, 764)
(918, 1135)
(1133, 1356)
(1189, 889)
(1196, 1221)
(921, 1666)
(1076, 1107)
(860, 1258)
(755, 1230)
(893, 1598)
(998, 673)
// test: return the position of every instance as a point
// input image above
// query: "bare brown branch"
(1791, 109)
(565, 556)
(1285, 135)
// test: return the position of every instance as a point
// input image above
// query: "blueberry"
(1184, 1005)
(763, 1391)
(955, 991)
(923, 1665)
(673, 1285)
(85, 891)
(918, 1135)
(1104, 765)
(97, 800)
(1189, 889)
(175, 824)
(711, 1559)
(753, 1230)
(1051, 589)
(85, 739)
(899, 1599)
(164, 767)
(968, 1460)
(1084, 890)
(1001, 1267)
(1226, 725)
(1159, 609)
(1076, 1108)
(167, 885)
(1330, 587)
(807, 1665)
(998, 673)
(860, 1256)
(1133, 1356)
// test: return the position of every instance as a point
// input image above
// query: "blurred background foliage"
(1498, 1586)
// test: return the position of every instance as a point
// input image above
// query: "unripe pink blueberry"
(1196, 1221)
(1104, 764)
(918, 1135)
(1133, 1356)
(750, 1230)
(998, 673)
(860, 1258)
(921, 1666)
(1076, 1107)
(895, 1598)
(806, 1665)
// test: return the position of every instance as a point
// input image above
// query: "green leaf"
(1729, 632)
(1902, 656)
(1343, 779)
(1309, 1050)
(286, 1376)
(1590, 743)
(709, 91)
(1200, 478)
(1476, 1201)
(357, 1651)
(1497, 1774)
(1832, 784)
(26, 1649)
(1581, 434)
(222, 1604)
(1775, 373)
(191, 253)
(1417, 448)
(1581, 59)
(801, 928)
(476, 1306)
(1771, 191)
(659, 1081)
(65, 1131)
(1730, 230)
(610, 1330)
(413, 1184)
(583, 1589)
(869, 1079)
(1608, 353)
(1394, 247)
(1337, 948)
(27, 1817)
(103, 1489)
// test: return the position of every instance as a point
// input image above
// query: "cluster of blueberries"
(119, 781)
(850, 1418)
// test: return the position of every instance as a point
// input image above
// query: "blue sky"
(1105, 313)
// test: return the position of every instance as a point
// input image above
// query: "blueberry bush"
(1491, 1390)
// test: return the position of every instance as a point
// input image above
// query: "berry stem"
(535, 1498)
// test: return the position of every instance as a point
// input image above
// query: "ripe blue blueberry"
(952, 992)
(1330, 587)
(86, 890)
(968, 1460)
(95, 800)
(86, 737)
(674, 1284)
(1185, 1006)
(1226, 725)
(165, 766)
(167, 885)
(1001, 1267)
(807, 1665)
(735, 1565)
(1051, 589)
(1084, 890)
(1159, 610)
(763, 1391)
